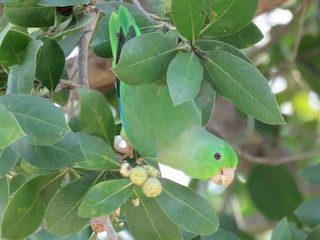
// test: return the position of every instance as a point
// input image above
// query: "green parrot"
(176, 137)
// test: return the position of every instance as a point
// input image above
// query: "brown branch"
(268, 5)
(138, 5)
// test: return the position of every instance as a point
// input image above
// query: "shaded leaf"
(205, 101)
(43, 122)
(144, 59)
(99, 154)
(4, 197)
(26, 208)
(95, 115)
(187, 17)
(208, 45)
(78, 22)
(148, 221)
(100, 43)
(70, 42)
(13, 46)
(269, 185)
(246, 37)
(63, 3)
(281, 231)
(62, 212)
(8, 158)
(50, 63)
(311, 174)
(244, 85)
(27, 68)
(13, 80)
(10, 130)
(221, 235)
(228, 16)
(184, 77)
(33, 16)
(187, 209)
(309, 212)
(44, 234)
(105, 197)
(65, 152)
(314, 234)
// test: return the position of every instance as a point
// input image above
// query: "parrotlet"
(160, 131)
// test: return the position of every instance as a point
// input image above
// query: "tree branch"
(138, 5)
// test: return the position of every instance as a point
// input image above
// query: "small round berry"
(138, 175)
(98, 224)
(135, 202)
(152, 171)
(152, 187)
(125, 169)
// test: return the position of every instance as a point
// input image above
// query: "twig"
(275, 161)
(302, 18)
(83, 52)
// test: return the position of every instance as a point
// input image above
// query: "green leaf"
(281, 231)
(95, 115)
(63, 3)
(309, 212)
(44, 234)
(50, 64)
(144, 59)
(187, 17)
(148, 221)
(228, 16)
(311, 174)
(105, 197)
(208, 45)
(269, 185)
(205, 101)
(314, 234)
(99, 154)
(139, 17)
(8, 159)
(221, 235)
(187, 209)
(13, 80)
(10, 130)
(43, 122)
(78, 22)
(13, 47)
(4, 32)
(62, 212)
(27, 68)
(100, 43)
(65, 152)
(26, 208)
(4, 197)
(30, 16)
(70, 42)
(246, 37)
(184, 77)
(244, 85)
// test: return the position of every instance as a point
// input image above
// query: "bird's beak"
(224, 177)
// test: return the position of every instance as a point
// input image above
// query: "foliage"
(58, 172)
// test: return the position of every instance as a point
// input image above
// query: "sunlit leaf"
(144, 59)
(184, 77)
(43, 122)
(228, 16)
(244, 86)
(148, 221)
(187, 209)
(8, 159)
(10, 130)
(65, 152)
(188, 17)
(62, 212)
(105, 197)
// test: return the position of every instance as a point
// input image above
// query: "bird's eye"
(217, 156)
